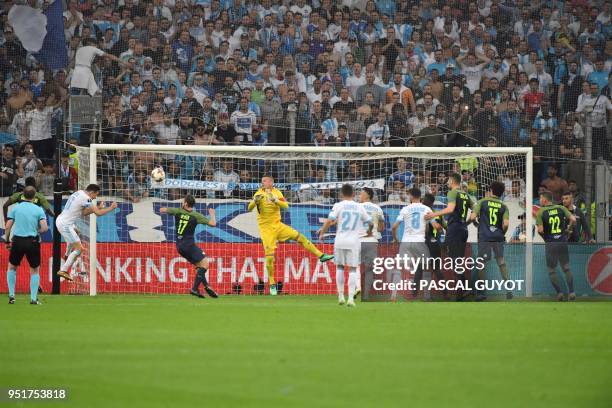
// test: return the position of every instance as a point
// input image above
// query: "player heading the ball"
(268, 201)
(79, 205)
(186, 220)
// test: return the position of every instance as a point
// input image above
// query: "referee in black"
(26, 220)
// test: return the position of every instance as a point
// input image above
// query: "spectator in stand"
(8, 171)
(555, 184)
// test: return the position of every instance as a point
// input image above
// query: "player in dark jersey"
(456, 212)
(555, 223)
(186, 220)
(493, 218)
(433, 232)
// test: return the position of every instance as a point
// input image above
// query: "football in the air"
(158, 175)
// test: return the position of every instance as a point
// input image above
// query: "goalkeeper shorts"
(279, 233)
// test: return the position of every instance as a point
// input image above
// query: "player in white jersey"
(79, 205)
(369, 251)
(353, 222)
(413, 239)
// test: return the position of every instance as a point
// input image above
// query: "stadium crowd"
(346, 73)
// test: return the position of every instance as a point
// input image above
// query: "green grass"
(175, 351)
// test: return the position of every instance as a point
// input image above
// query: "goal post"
(139, 237)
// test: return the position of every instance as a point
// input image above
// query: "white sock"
(340, 280)
(358, 277)
(70, 260)
(395, 278)
(352, 283)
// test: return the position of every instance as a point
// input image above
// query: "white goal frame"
(472, 151)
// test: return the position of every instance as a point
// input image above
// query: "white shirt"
(473, 75)
(351, 218)
(169, 134)
(353, 82)
(243, 122)
(377, 215)
(413, 217)
(73, 210)
(377, 135)
(85, 55)
(40, 123)
(595, 112)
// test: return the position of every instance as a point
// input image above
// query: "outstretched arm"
(99, 211)
(449, 209)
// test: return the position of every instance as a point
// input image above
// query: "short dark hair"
(547, 195)
(568, 193)
(347, 190)
(29, 192)
(30, 182)
(93, 188)
(415, 192)
(369, 192)
(497, 188)
(455, 177)
(428, 200)
(189, 200)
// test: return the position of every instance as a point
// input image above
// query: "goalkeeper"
(269, 201)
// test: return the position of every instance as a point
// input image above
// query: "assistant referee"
(26, 220)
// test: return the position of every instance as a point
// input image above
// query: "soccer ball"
(158, 175)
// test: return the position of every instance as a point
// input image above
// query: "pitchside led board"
(138, 255)
(85, 109)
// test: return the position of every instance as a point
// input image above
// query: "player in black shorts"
(458, 204)
(433, 231)
(186, 220)
(555, 224)
(493, 220)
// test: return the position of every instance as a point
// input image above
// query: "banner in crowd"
(220, 186)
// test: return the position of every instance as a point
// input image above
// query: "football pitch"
(174, 351)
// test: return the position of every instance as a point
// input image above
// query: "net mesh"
(136, 243)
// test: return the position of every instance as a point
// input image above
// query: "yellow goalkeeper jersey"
(268, 212)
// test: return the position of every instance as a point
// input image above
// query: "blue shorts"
(191, 252)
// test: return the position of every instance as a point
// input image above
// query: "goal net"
(132, 249)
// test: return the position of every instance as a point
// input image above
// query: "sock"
(503, 268)
(340, 280)
(201, 272)
(426, 291)
(481, 276)
(309, 246)
(11, 278)
(68, 250)
(554, 280)
(396, 276)
(270, 269)
(569, 278)
(352, 283)
(70, 260)
(34, 283)
(196, 281)
(358, 277)
(417, 279)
